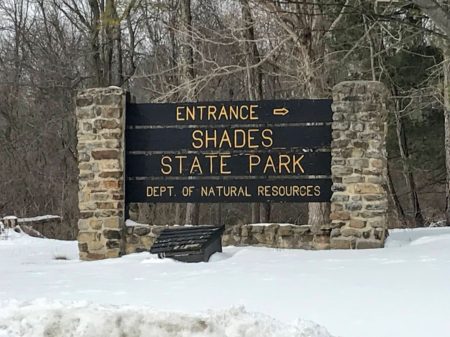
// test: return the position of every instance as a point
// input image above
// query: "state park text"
(229, 151)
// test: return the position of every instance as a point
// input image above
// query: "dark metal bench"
(189, 244)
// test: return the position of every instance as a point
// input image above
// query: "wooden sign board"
(229, 151)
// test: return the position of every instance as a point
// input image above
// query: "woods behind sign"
(229, 151)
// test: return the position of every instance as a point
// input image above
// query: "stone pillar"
(100, 116)
(359, 166)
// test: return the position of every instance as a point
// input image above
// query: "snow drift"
(81, 319)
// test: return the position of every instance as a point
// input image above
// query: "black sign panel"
(230, 113)
(226, 139)
(237, 190)
(229, 164)
(229, 151)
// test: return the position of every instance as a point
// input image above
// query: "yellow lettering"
(197, 141)
(212, 138)
(179, 114)
(253, 160)
(225, 139)
(253, 115)
(212, 112)
(251, 139)
(196, 166)
(223, 114)
(234, 113)
(283, 162)
(267, 138)
(223, 164)
(269, 164)
(211, 161)
(297, 164)
(190, 113)
(242, 134)
(316, 191)
(244, 115)
(180, 163)
(166, 167)
(201, 109)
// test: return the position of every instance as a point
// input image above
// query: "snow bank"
(400, 291)
(81, 319)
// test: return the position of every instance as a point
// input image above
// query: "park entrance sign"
(276, 151)
(244, 151)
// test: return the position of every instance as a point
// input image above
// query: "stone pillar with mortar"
(100, 116)
(359, 203)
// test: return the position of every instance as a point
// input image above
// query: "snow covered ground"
(400, 291)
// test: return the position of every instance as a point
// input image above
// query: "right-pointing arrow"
(280, 111)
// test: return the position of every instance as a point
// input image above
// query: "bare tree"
(439, 12)
(187, 77)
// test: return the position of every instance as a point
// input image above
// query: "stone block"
(94, 256)
(358, 163)
(88, 237)
(105, 154)
(371, 214)
(376, 206)
(377, 222)
(83, 225)
(147, 242)
(340, 215)
(341, 125)
(377, 163)
(257, 229)
(84, 100)
(356, 223)
(342, 243)
(112, 253)
(369, 244)
(112, 234)
(335, 232)
(357, 126)
(353, 179)
(141, 230)
(337, 224)
(353, 206)
(338, 187)
(357, 153)
(112, 244)
(82, 247)
(111, 112)
(113, 98)
(339, 197)
(111, 174)
(366, 188)
(380, 234)
(285, 231)
(352, 232)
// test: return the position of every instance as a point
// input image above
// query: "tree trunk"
(178, 216)
(255, 212)
(192, 214)
(187, 76)
(318, 215)
(407, 173)
(447, 128)
(264, 212)
(260, 212)
(398, 206)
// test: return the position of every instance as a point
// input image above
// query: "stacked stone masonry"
(100, 130)
(140, 237)
(359, 166)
